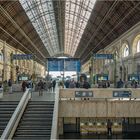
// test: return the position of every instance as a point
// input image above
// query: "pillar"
(4, 62)
(60, 126)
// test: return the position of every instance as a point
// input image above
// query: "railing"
(54, 130)
(13, 122)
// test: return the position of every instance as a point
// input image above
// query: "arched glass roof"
(77, 13)
(42, 15)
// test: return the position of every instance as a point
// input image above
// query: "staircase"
(36, 122)
(7, 108)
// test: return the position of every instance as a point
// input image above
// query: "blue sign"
(102, 77)
(132, 77)
(55, 64)
(72, 65)
(68, 64)
(103, 56)
(83, 93)
(22, 56)
(125, 94)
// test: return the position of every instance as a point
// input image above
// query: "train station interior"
(69, 69)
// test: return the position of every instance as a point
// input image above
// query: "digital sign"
(132, 77)
(102, 77)
(55, 64)
(122, 93)
(103, 56)
(83, 93)
(67, 64)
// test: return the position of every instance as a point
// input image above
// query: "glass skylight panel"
(77, 13)
(41, 14)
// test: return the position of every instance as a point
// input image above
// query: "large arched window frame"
(138, 46)
(125, 50)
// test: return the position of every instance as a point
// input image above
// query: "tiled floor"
(16, 96)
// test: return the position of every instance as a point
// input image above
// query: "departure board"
(68, 64)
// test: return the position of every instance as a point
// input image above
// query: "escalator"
(7, 108)
(36, 121)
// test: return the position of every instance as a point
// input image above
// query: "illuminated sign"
(122, 93)
(83, 93)
(67, 64)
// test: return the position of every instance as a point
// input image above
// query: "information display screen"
(55, 64)
(122, 93)
(68, 64)
(83, 93)
(133, 77)
(23, 78)
(102, 77)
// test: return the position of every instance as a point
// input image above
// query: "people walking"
(40, 87)
(10, 85)
(53, 85)
(24, 84)
(109, 127)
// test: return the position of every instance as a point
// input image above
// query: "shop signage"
(121, 93)
(83, 93)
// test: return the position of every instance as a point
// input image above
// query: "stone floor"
(16, 96)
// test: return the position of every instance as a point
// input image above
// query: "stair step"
(33, 132)
(5, 115)
(4, 119)
(9, 102)
(38, 105)
(33, 135)
(38, 115)
(36, 119)
(36, 122)
(40, 109)
(41, 102)
(38, 112)
(8, 106)
(34, 128)
(7, 109)
(29, 137)
(6, 112)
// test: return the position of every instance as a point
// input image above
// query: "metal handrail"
(54, 129)
(23, 102)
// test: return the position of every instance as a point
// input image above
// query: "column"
(60, 126)
(4, 62)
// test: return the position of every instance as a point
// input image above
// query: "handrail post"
(54, 131)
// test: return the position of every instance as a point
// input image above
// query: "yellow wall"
(25, 66)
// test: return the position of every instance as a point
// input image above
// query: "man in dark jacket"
(53, 85)
(86, 85)
(40, 87)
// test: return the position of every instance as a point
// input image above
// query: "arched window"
(125, 50)
(1, 56)
(138, 46)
